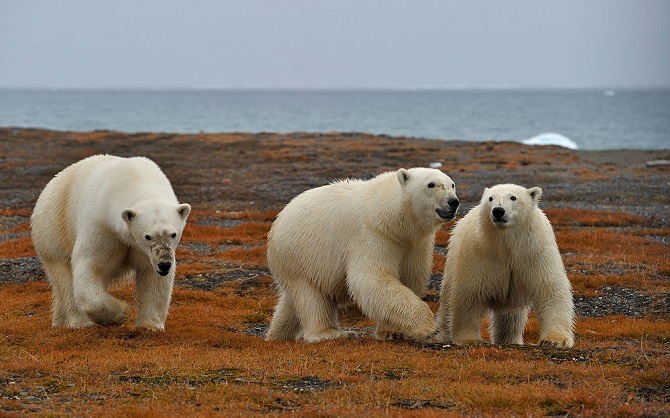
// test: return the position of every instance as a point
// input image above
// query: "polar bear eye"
(147, 237)
(490, 198)
(431, 185)
(174, 235)
(453, 185)
(513, 198)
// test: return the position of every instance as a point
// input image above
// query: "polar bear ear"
(403, 176)
(535, 194)
(184, 209)
(128, 215)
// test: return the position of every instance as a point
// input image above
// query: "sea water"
(584, 119)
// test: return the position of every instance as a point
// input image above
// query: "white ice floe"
(551, 139)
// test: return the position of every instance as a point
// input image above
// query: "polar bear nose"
(453, 202)
(498, 212)
(164, 267)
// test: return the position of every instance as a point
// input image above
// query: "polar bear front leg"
(393, 306)
(91, 296)
(414, 274)
(153, 293)
(556, 320)
(416, 266)
(555, 309)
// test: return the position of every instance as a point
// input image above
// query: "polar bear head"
(431, 193)
(156, 227)
(506, 205)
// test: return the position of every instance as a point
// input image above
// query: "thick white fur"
(507, 268)
(90, 228)
(370, 242)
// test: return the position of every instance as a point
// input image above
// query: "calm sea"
(587, 119)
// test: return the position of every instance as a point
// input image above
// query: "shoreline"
(591, 118)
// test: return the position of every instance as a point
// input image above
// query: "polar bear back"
(324, 247)
(92, 193)
(124, 180)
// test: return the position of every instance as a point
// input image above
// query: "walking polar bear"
(370, 242)
(503, 257)
(102, 220)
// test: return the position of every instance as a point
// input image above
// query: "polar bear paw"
(151, 326)
(422, 331)
(75, 320)
(557, 341)
(468, 337)
(388, 335)
(109, 311)
(399, 336)
(328, 334)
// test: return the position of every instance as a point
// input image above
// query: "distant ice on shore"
(551, 139)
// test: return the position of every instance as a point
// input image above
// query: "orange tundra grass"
(210, 361)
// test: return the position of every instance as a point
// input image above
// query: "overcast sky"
(333, 44)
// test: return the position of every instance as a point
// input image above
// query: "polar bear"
(503, 257)
(370, 242)
(99, 221)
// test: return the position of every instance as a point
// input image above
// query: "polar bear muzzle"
(498, 216)
(448, 213)
(162, 255)
(164, 268)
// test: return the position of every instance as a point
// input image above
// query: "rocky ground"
(259, 172)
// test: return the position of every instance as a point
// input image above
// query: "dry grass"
(212, 361)
(17, 247)
(584, 217)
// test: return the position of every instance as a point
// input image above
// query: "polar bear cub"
(370, 242)
(503, 257)
(102, 220)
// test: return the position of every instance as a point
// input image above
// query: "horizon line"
(339, 88)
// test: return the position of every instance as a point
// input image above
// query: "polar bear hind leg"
(65, 312)
(153, 294)
(317, 314)
(285, 325)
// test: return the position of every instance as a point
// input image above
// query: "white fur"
(370, 242)
(90, 227)
(509, 268)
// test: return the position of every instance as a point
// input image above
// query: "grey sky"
(331, 44)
